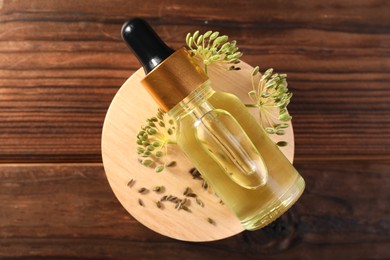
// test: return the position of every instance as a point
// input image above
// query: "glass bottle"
(216, 132)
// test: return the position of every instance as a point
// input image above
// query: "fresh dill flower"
(212, 48)
(271, 96)
(153, 140)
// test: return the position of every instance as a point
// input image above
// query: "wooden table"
(61, 63)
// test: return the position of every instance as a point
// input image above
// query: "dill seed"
(283, 125)
(159, 168)
(187, 190)
(280, 132)
(159, 204)
(185, 208)
(160, 114)
(281, 143)
(172, 198)
(195, 174)
(143, 190)
(205, 185)
(171, 164)
(270, 130)
(147, 162)
(156, 144)
(141, 203)
(152, 131)
(191, 194)
(131, 183)
(164, 198)
(221, 202)
(211, 221)
(159, 154)
(199, 202)
(159, 189)
(180, 205)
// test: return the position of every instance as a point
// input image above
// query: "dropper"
(145, 43)
(170, 75)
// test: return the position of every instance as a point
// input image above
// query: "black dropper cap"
(145, 43)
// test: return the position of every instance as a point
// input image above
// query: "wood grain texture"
(48, 209)
(61, 63)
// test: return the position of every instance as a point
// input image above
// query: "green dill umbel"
(212, 48)
(271, 96)
(153, 141)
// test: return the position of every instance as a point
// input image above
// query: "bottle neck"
(194, 103)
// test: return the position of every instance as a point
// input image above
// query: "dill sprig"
(271, 96)
(153, 141)
(212, 48)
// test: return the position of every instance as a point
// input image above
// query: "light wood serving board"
(129, 109)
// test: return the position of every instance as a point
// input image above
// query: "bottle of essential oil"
(216, 132)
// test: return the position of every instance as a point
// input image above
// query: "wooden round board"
(129, 110)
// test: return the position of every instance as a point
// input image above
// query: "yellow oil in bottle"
(256, 201)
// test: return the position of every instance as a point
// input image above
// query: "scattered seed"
(185, 208)
(178, 205)
(281, 143)
(159, 204)
(159, 189)
(141, 203)
(131, 183)
(199, 202)
(221, 202)
(171, 164)
(191, 194)
(205, 185)
(187, 190)
(143, 190)
(173, 199)
(164, 198)
(195, 174)
(211, 221)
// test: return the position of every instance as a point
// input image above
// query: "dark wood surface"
(61, 63)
